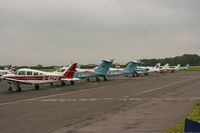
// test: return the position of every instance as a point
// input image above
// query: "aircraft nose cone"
(1, 78)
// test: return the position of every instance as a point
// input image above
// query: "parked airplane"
(99, 71)
(167, 68)
(35, 77)
(185, 67)
(173, 69)
(163, 69)
(131, 68)
(156, 68)
(6, 70)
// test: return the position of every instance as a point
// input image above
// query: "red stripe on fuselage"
(36, 77)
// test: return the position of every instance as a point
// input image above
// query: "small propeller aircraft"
(35, 77)
(131, 68)
(171, 69)
(99, 71)
(156, 68)
(7, 70)
(185, 67)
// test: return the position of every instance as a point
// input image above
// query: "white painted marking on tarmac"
(60, 94)
(167, 99)
(164, 86)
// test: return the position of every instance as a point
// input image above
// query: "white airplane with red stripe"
(35, 77)
(7, 70)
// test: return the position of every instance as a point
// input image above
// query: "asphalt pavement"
(121, 104)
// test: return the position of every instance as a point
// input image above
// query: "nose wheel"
(97, 79)
(37, 87)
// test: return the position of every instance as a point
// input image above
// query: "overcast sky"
(57, 32)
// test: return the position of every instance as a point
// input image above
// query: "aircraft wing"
(20, 81)
(72, 79)
(31, 81)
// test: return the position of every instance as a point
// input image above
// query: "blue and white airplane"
(185, 67)
(131, 68)
(99, 71)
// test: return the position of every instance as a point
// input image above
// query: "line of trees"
(192, 59)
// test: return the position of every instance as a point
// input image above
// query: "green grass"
(194, 68)
(194, 115)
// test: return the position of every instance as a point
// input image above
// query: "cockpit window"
(29, 72)
(21, 73)
(62, 70)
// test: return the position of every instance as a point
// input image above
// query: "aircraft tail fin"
(166, 66)
(79, 66)
(70, 72)
(178, 66)
(187, 66)
(131, 67)
(104, 66)
(157, 65)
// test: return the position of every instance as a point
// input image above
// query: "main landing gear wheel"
(37, 87)
(146, 74)
(72, 82)
(51, 84)
(88, 80)
(97, 79)
(105, 79)
(9, 88)
(19, 89)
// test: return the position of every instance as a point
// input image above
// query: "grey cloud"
(60, 31)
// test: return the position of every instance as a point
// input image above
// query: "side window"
(21, 73)
(29, 72)
(35, 73)
(41, 74)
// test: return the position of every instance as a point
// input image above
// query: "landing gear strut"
(9, 86)
(105, 79)
(97, 79)
(63, 83)
(72, 82)
(51, 84)
(137, 75)
(19, 89)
